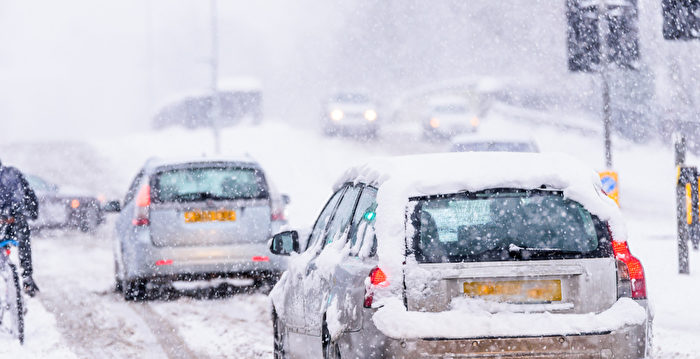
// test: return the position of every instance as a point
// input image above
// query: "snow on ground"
(75, 270)
(43, 339)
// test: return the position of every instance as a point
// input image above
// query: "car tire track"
(165, 333)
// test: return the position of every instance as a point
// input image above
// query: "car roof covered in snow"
(401, 178)
(156, 162)
(500, 138)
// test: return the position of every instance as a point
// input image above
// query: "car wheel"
(135, 290)
(279, 338)
(89, 221)
(118, 285)
(331, 350)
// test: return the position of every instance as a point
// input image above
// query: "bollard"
(687, 217)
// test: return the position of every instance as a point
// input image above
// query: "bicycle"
(11, 304)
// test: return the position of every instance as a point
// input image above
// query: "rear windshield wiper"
(197, 196)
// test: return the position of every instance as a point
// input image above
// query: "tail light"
(278, 215)
(630, 274)
(377, 278)
(143, 203)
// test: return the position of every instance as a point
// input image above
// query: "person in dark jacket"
(18, 198)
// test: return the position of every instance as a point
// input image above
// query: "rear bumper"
(448, 131)
(143, 260)
(629, 342)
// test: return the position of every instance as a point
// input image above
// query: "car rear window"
(211, 183)
(501, 225)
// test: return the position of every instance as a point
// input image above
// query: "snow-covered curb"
(396, 322)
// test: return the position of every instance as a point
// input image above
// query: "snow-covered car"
(448, 116)
(471, 143)
(468, 255)
(195, 219)
(349, 113)
(64, 207)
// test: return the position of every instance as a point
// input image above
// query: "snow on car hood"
(403, 177)
(469, 322)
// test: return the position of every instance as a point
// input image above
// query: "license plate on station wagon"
(210, 216)
(521, 291)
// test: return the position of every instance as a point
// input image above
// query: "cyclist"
(16, 194)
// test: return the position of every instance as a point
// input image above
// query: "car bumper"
(352, 126)
(629, 342)
(449, 131)
(185, 263)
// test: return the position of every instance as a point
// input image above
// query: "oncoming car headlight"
(336, 115)
(370, 115)
(434, 122)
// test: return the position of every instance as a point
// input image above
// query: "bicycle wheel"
(11, 310)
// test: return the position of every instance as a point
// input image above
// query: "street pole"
(603, 30)
(215, 111)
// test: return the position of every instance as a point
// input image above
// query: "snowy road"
(76, 278)
(77, 314)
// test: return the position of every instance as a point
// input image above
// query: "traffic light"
(583, 38)
(622, 41)
(623, 34)
(681, 19)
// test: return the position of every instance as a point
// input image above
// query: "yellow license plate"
(210, 216)
(516, 290)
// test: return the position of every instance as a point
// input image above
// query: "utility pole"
(603, 30)
(215, 111)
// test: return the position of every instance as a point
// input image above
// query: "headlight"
(474, 121)
(336, 115)
(434, 122)
(370, 115)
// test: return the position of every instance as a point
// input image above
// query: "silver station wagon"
(195, 219)
(463, 255)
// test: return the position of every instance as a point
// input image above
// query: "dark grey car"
(195, 219)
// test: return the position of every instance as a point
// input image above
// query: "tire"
(89, 221)
(12, 313)
(331, 350)
(118, 285)
(135, 290)
(278, 336)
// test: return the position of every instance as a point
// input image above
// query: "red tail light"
(164, 262)
(143, 202)
(377, 278)
(143, 198)
(261, 259)
(634, 269)
(277, 216)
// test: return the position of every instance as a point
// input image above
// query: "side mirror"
(284, 243)
(285, 199)
(112, 206)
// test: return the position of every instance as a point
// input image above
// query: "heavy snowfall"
(88, 94)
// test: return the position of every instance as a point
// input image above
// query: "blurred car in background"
(467, 143)
(196, 219)
(64, 208)
(239, 99)
(448, 116)
(349, 114)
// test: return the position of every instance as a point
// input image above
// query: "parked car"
(64, 208)
(448, 116)
(195, 219)
(470, 143)
(349, 113)
(486, 255)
